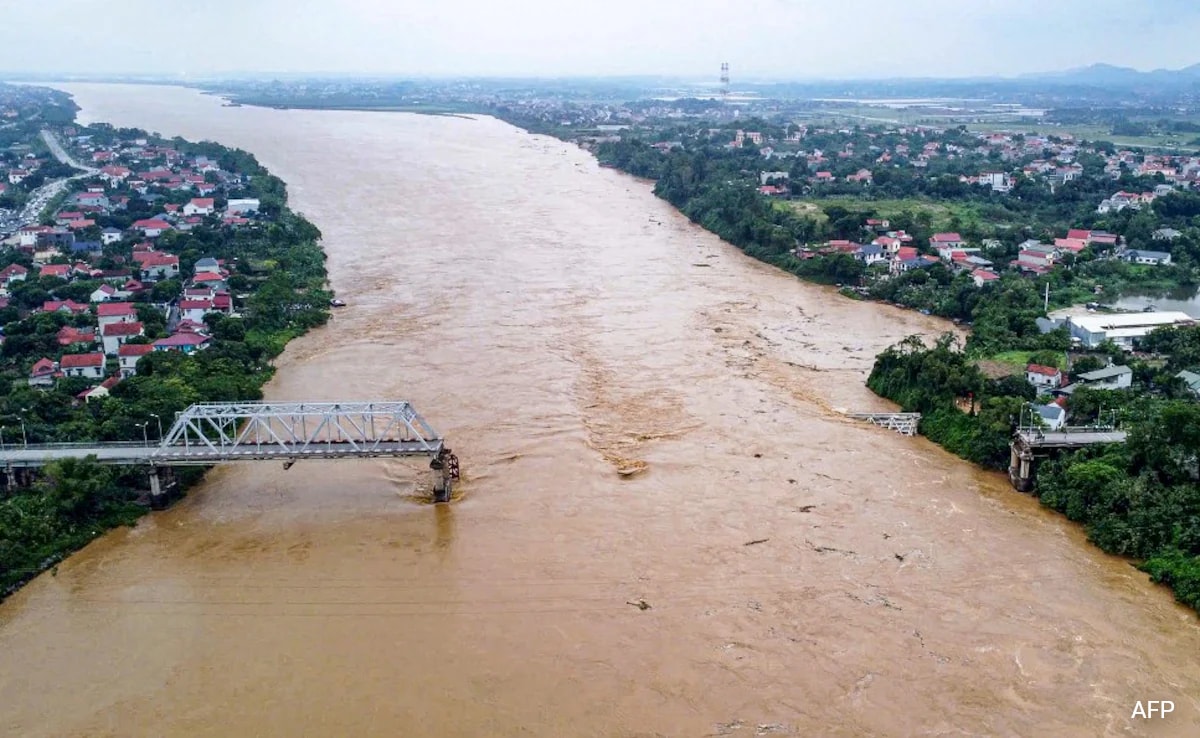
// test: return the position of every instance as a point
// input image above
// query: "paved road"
(38, 199)
(61, 154)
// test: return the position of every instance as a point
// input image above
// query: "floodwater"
(557, 322)
(1184, 300)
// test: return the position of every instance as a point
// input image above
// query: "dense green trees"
(277, 262)
(1140, 499)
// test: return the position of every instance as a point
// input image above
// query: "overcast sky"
(795, 39)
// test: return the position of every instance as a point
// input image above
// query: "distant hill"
(1109, 75)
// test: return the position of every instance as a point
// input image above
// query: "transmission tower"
(724, 82)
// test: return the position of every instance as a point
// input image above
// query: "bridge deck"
(259, 431)
(33, 455)
(1075, 439)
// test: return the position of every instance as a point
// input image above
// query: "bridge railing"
(76, 445)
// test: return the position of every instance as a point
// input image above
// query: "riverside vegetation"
(1140, 499)
(279, 283)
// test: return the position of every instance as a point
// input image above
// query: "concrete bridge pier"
(18, 477)
(445, 468)
(1021, 467)
(162, 486)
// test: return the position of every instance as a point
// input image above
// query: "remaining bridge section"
(904, 423)
(215, 433)
(1030, 444)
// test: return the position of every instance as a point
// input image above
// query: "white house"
(100, 391)
(948, 241)
(42, 374)
(90, 366)
(28, 235)
(194, 310)
(242, 206)
(1110, 377)
(13, 273)
(109, 235)
(128, 355)
(104, 293)
(115, 312)
(152, 227)
(1054, 416)
(1136, 256)
(157, 265)
(115, 335)
(1043, 377)
(984, 276)
(998, 181)
(199, 206)
(870, 254)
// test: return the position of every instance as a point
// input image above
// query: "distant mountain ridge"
(1112, 75)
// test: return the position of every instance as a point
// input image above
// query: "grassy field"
(1018, 360)
(986, 121)
(1093, 133)
(939, 212)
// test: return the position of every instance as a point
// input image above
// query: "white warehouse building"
(1121, 328)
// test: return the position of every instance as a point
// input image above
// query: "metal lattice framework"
(214, 433)
(295, 430)
(903, 423)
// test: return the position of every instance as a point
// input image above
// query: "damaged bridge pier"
(1029, 446)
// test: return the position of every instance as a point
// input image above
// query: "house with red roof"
(104, 293)
(115, 335)
(984, 276)
(195, 310)
(64, 306)
(128, 355)
(212, 280)
(188, 343)
(1073, 245)
(156, 265)
(200, 206)
(114, 175)
(69, 335)
(13, 273)
(100, 391)
(43, 373)
(63, 271)
(115, 312)
(152, 227)
(951, 241)
(90, 366)
(1044, 377)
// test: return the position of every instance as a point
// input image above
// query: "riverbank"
(268, 268)
(528, 306)
(1139, 522)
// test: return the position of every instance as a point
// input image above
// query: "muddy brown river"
(557, 322)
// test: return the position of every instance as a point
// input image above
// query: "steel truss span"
(213, 433)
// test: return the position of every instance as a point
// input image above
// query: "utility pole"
(1046, 302)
